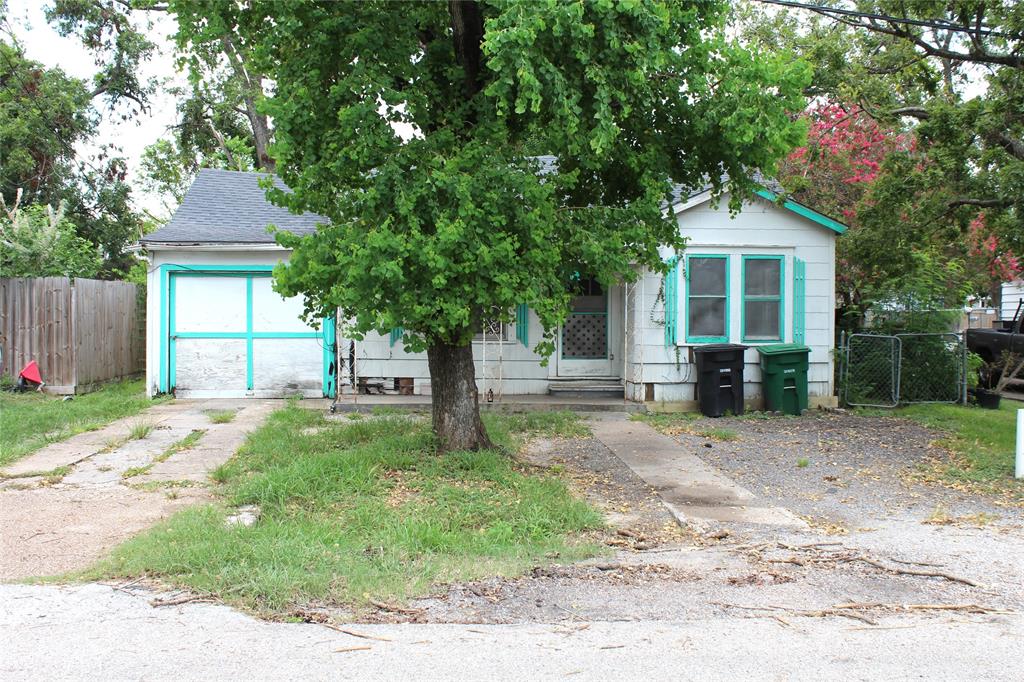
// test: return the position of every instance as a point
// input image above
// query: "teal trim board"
(330, 341)
(672, 302)
(802, 210)
(248, 332)
(781, 298)
(172, 365)
(728, 305)
(163, 302)
(799, 300)
(523, 324)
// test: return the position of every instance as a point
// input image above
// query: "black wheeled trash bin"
(720, 378)
(784, 377)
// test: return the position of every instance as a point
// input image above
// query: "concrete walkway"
(692, 490)
(97, 632)
(64, 506)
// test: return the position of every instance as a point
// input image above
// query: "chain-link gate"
(871, 376)
(889, 370)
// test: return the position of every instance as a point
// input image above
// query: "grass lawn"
(28, 421)
(363, 508)
(982, 439)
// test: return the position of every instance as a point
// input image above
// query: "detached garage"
(215, 327)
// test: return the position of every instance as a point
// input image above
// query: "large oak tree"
(415, 129)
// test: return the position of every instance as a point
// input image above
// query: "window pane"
(761, 277)
(707, 276)
(707, 317)
(761, 320)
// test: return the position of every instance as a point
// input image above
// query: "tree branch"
(977, 55)
(468, 34)
(917, 112)
(983, 203)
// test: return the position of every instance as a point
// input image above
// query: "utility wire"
(940, 24)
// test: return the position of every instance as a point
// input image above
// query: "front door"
(585, 341)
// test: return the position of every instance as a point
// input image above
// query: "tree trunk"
(454, 398)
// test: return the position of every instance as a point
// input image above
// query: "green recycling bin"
(784, 377)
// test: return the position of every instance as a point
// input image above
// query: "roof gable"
(230, 207)
(701, 196)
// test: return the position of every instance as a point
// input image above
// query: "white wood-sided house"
(215, 328)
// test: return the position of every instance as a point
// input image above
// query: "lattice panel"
(585, 336)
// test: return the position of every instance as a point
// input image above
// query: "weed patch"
(186, 443)
(221, 416)
(364, 510)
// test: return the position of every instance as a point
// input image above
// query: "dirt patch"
(635, 515)
(840, 469)
(48, 531)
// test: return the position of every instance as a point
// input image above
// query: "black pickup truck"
(990, 344)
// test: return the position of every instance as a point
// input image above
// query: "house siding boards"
(1012, 293)
(761, 229)
(519, 369)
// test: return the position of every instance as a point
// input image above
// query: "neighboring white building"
(1012, 294)
(764, 276)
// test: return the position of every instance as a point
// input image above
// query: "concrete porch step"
(586, 386)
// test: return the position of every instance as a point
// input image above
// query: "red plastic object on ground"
(31, 373)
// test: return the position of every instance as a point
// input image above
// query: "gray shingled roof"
(229, 207)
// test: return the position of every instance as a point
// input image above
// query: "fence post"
(963, 366)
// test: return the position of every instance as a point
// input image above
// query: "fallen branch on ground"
(815, 553)
(181, 600)
(361, 635)
(394, 608)
(910, 571)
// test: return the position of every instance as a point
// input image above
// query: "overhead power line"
(940, 24)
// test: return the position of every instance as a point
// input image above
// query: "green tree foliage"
(43, 114)
(455, 221)
(120, 47)
(956, 84)
(45, 118)
(38, 241)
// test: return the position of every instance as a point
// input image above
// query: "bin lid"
(717, 347)
(782, 349)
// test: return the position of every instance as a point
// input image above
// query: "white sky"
(45, 45)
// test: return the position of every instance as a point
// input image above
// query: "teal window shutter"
(523, 324)
(672, 302)
(396, 334)
(799, 300)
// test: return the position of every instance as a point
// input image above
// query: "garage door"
(231, 335)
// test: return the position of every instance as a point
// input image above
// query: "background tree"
(457, 224)
(45, 119)
(950, 75)
(37, 241)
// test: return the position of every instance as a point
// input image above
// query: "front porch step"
(586, 387)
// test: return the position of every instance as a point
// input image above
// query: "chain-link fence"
(881, 370)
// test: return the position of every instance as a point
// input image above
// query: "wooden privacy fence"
(80, 333)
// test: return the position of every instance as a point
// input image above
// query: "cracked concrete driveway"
(64, 506)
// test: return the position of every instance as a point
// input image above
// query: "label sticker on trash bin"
(789, 371)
